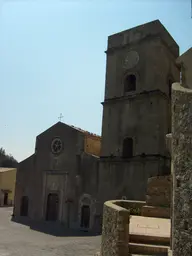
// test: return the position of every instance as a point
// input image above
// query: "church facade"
(59, 182)
(72, 172)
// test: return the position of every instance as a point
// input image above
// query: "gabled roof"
(83, 131)
(27, 159)
(185, 56)
(64, 125)
(72, 127)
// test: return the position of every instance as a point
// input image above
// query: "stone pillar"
(115, 231)
(182, 170)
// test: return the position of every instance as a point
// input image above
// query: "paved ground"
(20, 240)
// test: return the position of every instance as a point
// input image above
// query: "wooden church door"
(85, 216)
(52, 207)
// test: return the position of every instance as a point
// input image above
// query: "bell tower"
(140, 69)
(136, 109)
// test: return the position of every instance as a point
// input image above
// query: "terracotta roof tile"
(83, 131)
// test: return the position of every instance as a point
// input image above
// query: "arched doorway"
(24, 206)
(52, 207)
(85, 216)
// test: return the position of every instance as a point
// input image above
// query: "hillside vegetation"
(7, 160)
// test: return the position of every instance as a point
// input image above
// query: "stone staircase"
(139, 227)
(148, 249)
(148, 245)
(152, 241)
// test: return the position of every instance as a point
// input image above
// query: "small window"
(127, 148)
(130, 83)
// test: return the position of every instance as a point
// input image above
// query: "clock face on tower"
(56, 146)
(131, 59)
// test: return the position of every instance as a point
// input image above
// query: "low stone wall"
(115, 230)
(135, 207)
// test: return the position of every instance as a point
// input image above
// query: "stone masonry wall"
(159, 191)
(182, 170)
(115, 231)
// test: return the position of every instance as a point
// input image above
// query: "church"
(59, 182)
(73, 172)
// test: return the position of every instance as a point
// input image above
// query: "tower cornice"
(135, 96)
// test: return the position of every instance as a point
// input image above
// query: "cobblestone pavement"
(19, 240)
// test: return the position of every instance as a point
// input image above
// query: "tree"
(7, 160)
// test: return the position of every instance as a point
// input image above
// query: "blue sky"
(52, 60)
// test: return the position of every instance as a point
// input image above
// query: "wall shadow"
(53, 228)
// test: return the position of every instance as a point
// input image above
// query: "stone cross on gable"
(60, 117)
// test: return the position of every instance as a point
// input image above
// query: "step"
(148, 249)
(164, 254)
(141, 254)
(149, 230)
(149, 239)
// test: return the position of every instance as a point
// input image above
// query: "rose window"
(56, 146)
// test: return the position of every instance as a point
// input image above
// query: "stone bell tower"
(136, 109)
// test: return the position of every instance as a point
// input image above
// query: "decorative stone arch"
(86, 202)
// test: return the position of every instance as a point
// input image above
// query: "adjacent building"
(7, 186)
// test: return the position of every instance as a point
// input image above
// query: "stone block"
(159, 191)
(159, 200)
(158, 212)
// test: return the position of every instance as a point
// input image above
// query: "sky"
(52, 60)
